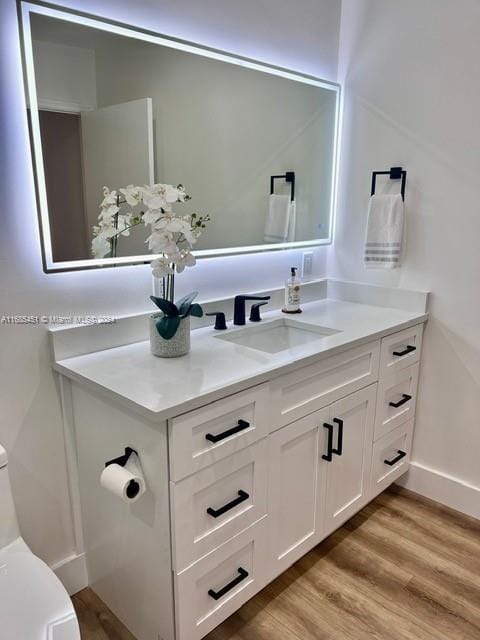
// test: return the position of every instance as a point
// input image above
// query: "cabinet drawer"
(401, 350)
(391, 456)
(216, 586)
(396, 400)
(215, 504)
(303, 391)
(209, 434)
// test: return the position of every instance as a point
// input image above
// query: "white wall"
(412, 92)
(302, 36)
(65, 77)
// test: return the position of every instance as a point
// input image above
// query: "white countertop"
(160, 388)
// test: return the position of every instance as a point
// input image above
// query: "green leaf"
(196, 310)
(185, 303)
(168, 308)
(167, 326)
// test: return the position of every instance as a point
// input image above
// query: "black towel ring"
(395, 173)
(288, 177)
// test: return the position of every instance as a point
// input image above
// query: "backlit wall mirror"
(110, 105)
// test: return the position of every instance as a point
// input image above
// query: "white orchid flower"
(183, 259)
(182, 195)
(163, 222)
(154, 200)
(171, 250)
(176, 225)
(189, 258)
(161, 268)
(100, 246)
(107, 213)
(154, 196)
(167, 192)
(151, 216)
(131, 194)
(108, 232)
(173, 194)
(190, 237)
(109, 197)
(162, 242)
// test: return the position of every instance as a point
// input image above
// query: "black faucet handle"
(255, 311)
(220, 323)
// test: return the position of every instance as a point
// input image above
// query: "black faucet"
(239, 307)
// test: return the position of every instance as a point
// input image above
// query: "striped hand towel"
(384, 236)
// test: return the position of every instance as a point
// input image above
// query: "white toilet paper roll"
(126, 482)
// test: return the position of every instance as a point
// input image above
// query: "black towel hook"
(395, 173)
(289, 176)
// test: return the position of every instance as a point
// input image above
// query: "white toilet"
(33, 602)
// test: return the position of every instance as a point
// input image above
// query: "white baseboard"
(443, 488)
(72, 573)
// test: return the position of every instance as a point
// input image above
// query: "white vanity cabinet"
(241, 487)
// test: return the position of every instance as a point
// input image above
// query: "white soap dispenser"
(292, 293)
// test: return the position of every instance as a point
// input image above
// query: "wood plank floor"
(404, 568)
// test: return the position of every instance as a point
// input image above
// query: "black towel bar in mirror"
(289, 176)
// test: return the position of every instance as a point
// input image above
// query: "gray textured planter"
(177, 346)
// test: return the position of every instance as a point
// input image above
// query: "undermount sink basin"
(277, 335)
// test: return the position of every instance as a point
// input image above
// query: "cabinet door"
(296, 490)
(351, 422)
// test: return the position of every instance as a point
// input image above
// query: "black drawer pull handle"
(215, 513)
(328, 456)
(242, 424)
(408, 349)
(216, 595)
(339, 450)
(405, 398)
(401, 454)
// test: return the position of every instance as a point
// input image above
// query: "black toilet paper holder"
(122, 460)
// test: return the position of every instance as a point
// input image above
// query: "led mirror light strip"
(27, 8)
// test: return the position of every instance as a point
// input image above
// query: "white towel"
(292, 221)
(384, 235)
(280, 223)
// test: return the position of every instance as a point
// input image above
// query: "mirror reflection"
(253, 150)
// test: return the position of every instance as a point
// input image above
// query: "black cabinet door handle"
(408, 349)
(405, 398)
(242, 424)
(216, 595)
(215, 513)
(339, 449)
(401, 454)
(328, 456)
